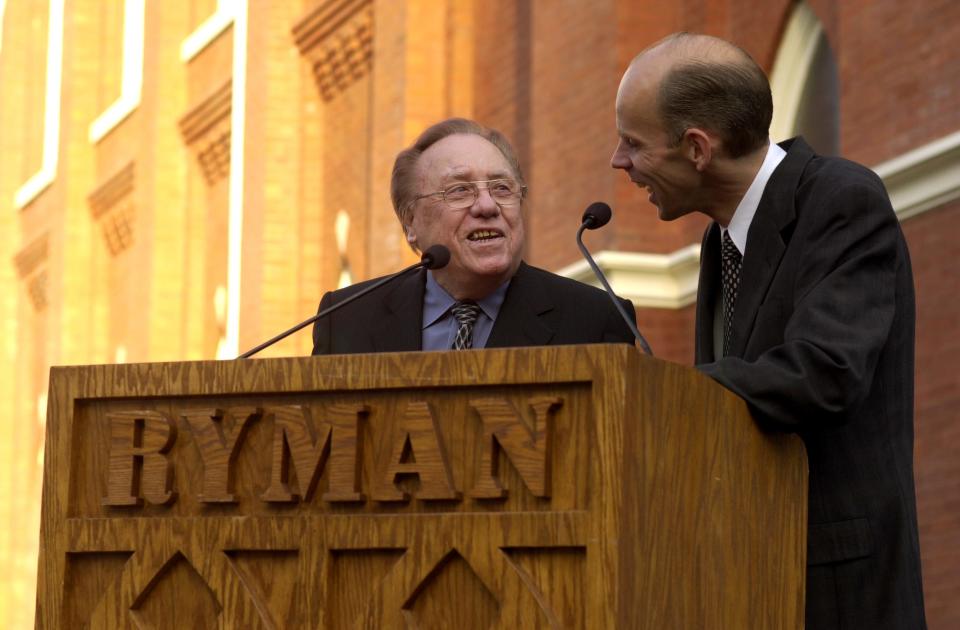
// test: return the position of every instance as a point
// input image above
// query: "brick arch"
(804, 83)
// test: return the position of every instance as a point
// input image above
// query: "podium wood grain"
(561, 487)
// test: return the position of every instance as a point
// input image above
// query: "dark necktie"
(466, 313)
(730, 273)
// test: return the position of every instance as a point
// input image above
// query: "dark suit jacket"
(823, 345)
(540, 308)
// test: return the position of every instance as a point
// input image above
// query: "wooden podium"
(573, 487)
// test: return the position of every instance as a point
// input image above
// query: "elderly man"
(805, 309)
(460, 186)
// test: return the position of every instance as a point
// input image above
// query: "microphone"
(597, 215)
(436, 257)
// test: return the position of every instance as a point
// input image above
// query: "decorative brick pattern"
(112, 206)
(31, 265)
(206, 130)
(338, 39)
(118, 228)
(214, 157)
(37, 289)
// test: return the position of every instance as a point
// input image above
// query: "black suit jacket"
(540, 308)
(823, 345)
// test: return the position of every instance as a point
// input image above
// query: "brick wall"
(669, 332)
(934, 250)
(899, 75)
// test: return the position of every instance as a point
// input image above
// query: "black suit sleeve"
(838, 318)
(321, 328)
(615, 330)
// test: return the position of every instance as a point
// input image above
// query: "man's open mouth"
(484, 235)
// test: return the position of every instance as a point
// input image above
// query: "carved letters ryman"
(312, 440)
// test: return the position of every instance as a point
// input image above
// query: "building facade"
(180, 180)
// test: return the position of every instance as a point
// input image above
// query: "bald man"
(805, 308)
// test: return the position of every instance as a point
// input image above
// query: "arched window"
(805, 85)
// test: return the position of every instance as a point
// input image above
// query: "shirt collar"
(743, 216)
(436, 301)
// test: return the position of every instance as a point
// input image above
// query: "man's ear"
(410, 234)
(698, 147)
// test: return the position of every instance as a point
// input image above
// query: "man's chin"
(492, 267)
(485, 259)
(667, 214)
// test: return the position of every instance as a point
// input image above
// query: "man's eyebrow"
(464, 174)
(460, 173)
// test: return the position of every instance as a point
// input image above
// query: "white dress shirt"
(739, 228)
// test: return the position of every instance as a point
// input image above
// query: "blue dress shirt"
(440, 326)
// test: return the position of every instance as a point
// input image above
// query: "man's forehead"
(463, 156)
(636, 98)
(465, 170)
(644, 73)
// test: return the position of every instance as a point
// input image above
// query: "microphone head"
(596, 215)
(436, 257)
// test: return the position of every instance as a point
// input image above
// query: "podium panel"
(557, 487)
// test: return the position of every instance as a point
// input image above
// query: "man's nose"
(619, 158)
(485, 205)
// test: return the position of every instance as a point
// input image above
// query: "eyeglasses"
(505, 192)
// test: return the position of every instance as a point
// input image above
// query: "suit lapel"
(519, 322)
(399, 328)
(765, 244)
(708, 289)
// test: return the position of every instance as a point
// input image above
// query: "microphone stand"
(434, 258)
(589, 223)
